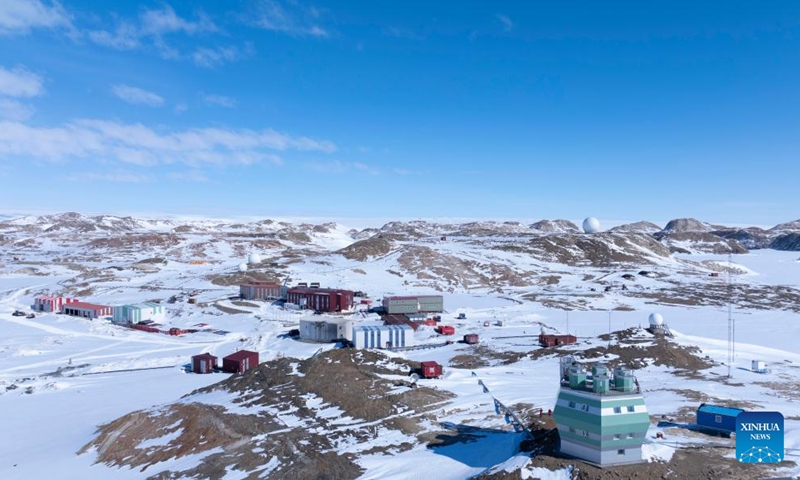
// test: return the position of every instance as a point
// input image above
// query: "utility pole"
(609, 329)
(567, 322)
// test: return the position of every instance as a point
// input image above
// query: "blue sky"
(620, 110)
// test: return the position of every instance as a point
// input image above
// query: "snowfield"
(61, 378)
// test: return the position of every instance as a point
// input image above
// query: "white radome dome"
(656, 319)
(591, 225)
(242, 267)
(254, 258)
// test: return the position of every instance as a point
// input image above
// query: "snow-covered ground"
(62, 377)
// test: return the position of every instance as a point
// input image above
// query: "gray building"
(413, 304)
(326, 330)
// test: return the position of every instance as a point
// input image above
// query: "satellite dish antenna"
(242, 267)
(414, 377)
(591, 225)
(254, 258)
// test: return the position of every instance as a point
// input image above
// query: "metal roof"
(412, 297)
(240, 355)
(720, 410)
(86, 306)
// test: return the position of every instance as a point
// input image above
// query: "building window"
(571, 429)
(617, 436)
(621, 451)
(718, 418)
(571, 404)
(585, 407)
(617, 409)
(585, 433)
(630, 409)
(630, 435)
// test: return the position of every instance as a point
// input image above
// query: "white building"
(321, 329)
(383, 336)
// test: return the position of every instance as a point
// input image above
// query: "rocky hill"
(282, 420)
(554, 226)
(636, 227)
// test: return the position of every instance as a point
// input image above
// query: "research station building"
(413, 304)
(601, 417)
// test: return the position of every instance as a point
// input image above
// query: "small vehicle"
(30, 315)
(18, 313)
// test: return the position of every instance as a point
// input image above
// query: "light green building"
(601, 415)
(138, 313)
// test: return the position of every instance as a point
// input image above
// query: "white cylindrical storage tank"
(656, 320)
(591, 225)
(254, 258)
(242, 267)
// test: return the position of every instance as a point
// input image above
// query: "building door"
(203, 366)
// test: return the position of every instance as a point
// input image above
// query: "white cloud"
(220, 101)
(159, 22)
(121, 176)
(14, 110)
(150, 31)
(137, 144)
(212, 57)
(339, 167)
(181, 107)
(291, 19)
(19, 83)
(508, 25)
(124, 37)
(190, 176)
(21, 16)
(137, 96)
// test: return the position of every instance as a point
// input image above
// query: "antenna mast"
(731, 324)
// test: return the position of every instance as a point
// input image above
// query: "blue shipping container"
(717, 417)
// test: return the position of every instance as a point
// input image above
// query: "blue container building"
(715, 417)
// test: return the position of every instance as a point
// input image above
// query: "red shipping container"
(431, 370)
(240, 362)
(471, 338)
(447, 330)
(204, 363)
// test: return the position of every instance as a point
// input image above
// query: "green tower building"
(601, 416)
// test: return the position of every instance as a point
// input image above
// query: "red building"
(431, 370)
(240, 362)
(260, 290)
(88, 310)
(546, 340)
(51, 304)
(322, 299)
(204, 363)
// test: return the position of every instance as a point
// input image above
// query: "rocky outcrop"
(555, 226)
(787, 241)
(648, 228)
